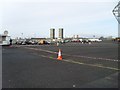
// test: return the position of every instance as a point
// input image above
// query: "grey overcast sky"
(34, 18)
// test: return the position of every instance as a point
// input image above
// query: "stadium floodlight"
(116, 12)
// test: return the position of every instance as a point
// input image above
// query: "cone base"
(59, 58)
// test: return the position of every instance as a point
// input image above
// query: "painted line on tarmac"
(113, 60)
(93, 65)
(72, 61)
(41, 50)
(93, 58)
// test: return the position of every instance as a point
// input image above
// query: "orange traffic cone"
(59, 55)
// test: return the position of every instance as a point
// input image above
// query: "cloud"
(60, 0)
(30, 17)
(58, 12)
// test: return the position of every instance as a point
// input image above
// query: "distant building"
(60, 33)
(52, 33)
(37, 39)
(109, 38)
(77, 36)
(73, 36)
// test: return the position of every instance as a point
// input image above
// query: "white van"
(4, 40)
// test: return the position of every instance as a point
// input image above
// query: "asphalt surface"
(83, 66)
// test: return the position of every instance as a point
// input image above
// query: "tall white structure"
(116, 12)
(60, 33)
(52, 33)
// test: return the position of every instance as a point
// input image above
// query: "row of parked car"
(40, 42)
(86, 40)
(31, 42)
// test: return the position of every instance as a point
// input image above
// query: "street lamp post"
(21, 35)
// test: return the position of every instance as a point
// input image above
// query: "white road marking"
(72, 61)
(93, 65)
(114, 60)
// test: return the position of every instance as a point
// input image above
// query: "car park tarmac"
(92, 65)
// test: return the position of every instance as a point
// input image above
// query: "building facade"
(60, 33)
(52, 33)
